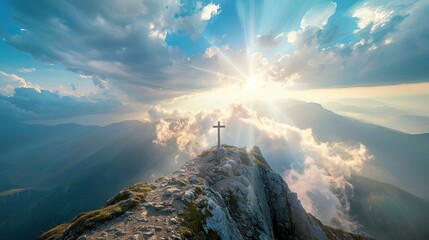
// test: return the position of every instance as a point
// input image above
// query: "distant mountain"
(69, 168)
(387, 116)
(399, 158)
(410, 123)
(387, 212)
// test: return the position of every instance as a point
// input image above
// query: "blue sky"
(150, 52)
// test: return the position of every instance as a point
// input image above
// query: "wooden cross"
(218, 133)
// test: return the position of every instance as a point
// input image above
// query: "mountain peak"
(226, 193)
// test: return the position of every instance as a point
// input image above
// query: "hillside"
(399, 158)
(230, 193)
(70, 168)
(387, 212)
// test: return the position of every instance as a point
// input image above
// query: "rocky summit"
(226, 193)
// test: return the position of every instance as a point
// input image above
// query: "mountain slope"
(399, 158)
(387, 212)
(230, 193)
(69, 168)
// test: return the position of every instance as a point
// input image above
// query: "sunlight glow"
(252, 83)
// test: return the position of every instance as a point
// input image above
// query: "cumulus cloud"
(127, 49)
(270, 40)
(126, 39)
(317, 171)
(319, 15)
(390, 47)
(8, 83)
(32, 104)
(209, 11)
(375, 16)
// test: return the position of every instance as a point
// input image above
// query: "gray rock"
(193, 179)
(188, 196)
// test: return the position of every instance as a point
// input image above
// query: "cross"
(218, 132)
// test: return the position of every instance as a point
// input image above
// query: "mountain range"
(51, 173)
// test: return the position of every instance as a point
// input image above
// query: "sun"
(252, 82)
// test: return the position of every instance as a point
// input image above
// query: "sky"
(123, 56)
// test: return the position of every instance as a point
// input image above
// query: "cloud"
(32, 104)
(99, 82)
(125, 44)
(73, 87)
(195, 23)
(381, 42)
(375, 16)
(209, 11)
(8, 83)
(389, 49)
(317, 171)
(319, 15)
(27, 70)
(270, 40)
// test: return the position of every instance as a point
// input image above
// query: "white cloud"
(209, 11)
(375, 17)
(85, 76)
(291, 36)
(127, 48)
(319, 171)
(8, 83)
(99, 82)
(27, 70)
(270, 40)
(318, 16)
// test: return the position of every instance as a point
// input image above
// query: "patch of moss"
(55, 232)
(260, 162)
(180, 183)
(184, 231)
(90, 220)
(233, 201)
(244, 158)
(204, 154)
(199, 188)
(194, 222)
(139, 189)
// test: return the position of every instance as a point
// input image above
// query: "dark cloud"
(30, 104)
(120, 42)
(101, 37)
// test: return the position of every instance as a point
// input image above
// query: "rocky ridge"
(226, 193)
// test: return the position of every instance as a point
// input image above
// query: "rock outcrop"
(230, 193)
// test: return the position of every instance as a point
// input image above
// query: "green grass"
(55, 232)
(260, 162)
(87, 221)
(139, 189)
(90, 220)
(193, 223)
